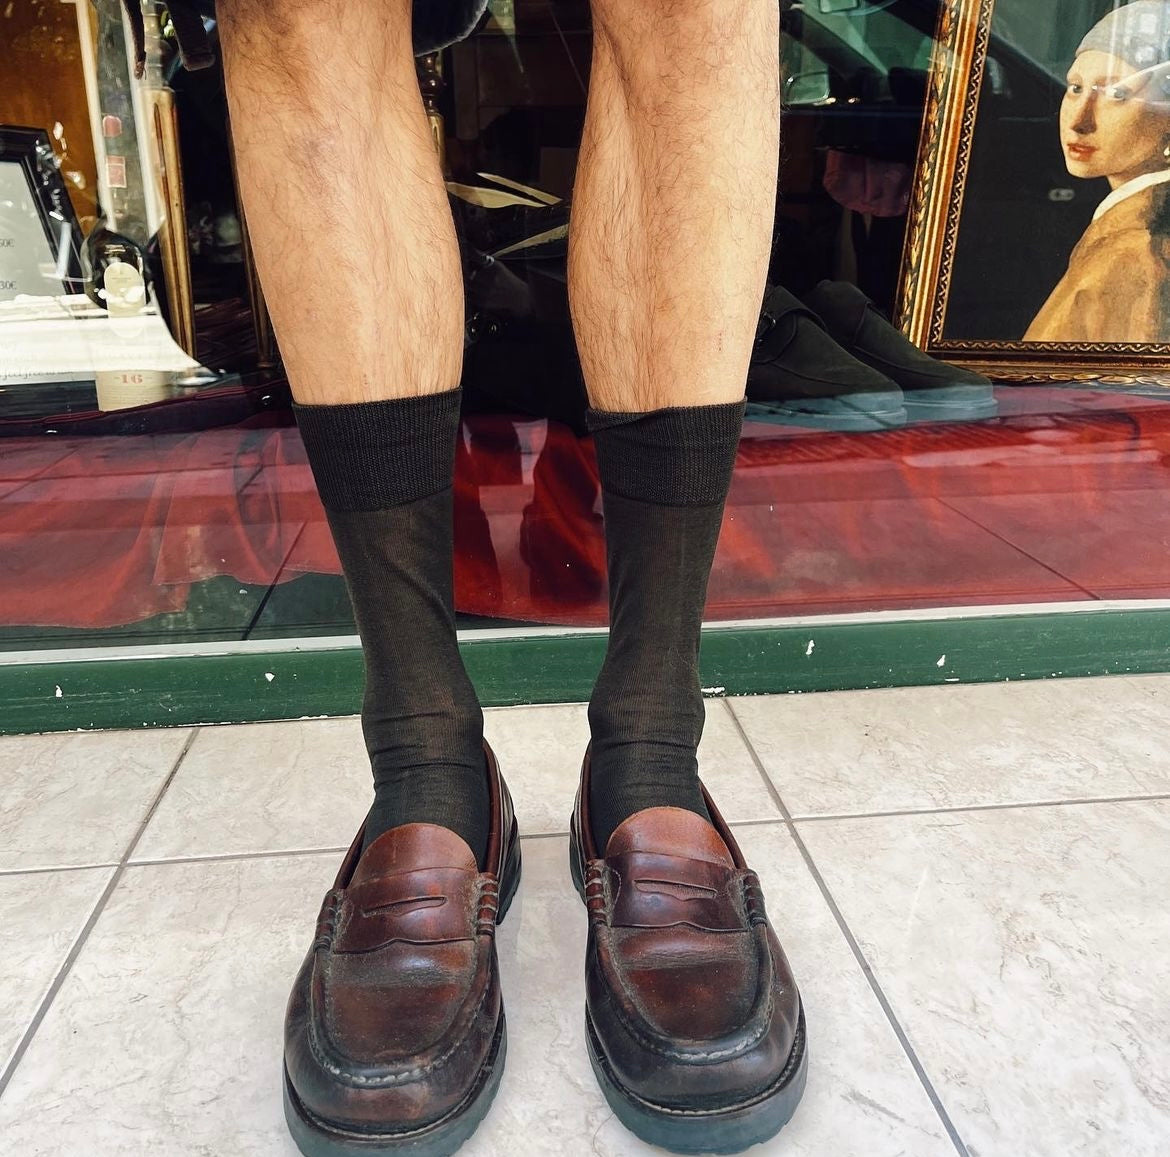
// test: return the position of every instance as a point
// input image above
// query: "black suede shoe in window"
(799, 376)
(935, 390)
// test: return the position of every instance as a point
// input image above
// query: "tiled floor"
(971, 883)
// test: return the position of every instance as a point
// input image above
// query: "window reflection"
(152, 483)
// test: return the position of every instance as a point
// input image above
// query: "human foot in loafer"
(694, 1024)
(934, 390)
(800, 376)
(394, 1033)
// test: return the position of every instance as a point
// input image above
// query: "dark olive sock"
(664, 480)
(384, 472)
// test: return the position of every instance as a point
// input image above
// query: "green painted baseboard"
(173, 690)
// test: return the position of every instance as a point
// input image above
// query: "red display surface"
(1062, 498)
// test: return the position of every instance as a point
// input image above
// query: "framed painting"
(1038, 246)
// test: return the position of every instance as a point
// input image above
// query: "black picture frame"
(32, 150)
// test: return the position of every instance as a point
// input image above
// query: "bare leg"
(674, 200)
(354, 239)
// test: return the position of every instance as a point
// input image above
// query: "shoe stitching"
(388, 1080)
(327, 920)
(753, 897)
(756, 917)
(488, 906)
(794, 1059)
(597, 900)
(336, 1128)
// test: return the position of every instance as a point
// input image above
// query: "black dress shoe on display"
(800, 376)
(935, 391)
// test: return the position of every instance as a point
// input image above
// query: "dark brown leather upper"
(689, 993)
(396, 1005)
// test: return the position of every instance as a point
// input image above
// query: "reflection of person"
(394, 1031)
(1115, 123)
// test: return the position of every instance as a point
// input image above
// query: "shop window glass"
(154, 489)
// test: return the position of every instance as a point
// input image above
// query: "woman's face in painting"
(1114, 122)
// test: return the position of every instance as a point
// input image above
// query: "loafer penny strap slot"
(656, 891)
(422, 907)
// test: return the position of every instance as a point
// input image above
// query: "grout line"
(854, 947)
(769, 786)
(223, 857)
(99, 907)
(227, 857)
(754, 823)
(158, 797)
(55, 868)
(339, 849)
(981, 807)
(274, 854)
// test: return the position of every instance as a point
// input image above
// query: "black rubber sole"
(317, 1137)
(842, 418)
(731, 1129)
(943, 412)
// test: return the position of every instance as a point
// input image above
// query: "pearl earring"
(1166, 154)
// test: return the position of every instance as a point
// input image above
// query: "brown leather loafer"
(694, 1022)
(394, 1033)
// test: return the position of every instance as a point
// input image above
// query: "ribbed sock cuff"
(682, 456)
(377, 455)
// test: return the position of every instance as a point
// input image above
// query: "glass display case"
(154, 492)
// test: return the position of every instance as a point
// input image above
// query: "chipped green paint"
(186, 689)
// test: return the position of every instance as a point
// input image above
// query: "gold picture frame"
(950, 124)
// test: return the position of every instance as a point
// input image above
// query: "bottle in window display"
(114, 264)
(114, 255)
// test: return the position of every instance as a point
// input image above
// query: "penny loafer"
(394, 1033)
(694, 1024)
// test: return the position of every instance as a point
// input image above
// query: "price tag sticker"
(116, 172)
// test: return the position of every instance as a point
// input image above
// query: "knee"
(692, 37)
(658, 18)
(290, 24)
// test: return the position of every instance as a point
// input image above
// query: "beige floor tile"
(263, 787)
(74, 799)
(306, 784)
(1024, 951)
(44, 913)
(165, 1038)
(540, 751)
(942, 747)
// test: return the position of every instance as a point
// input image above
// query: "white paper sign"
(27, 264)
